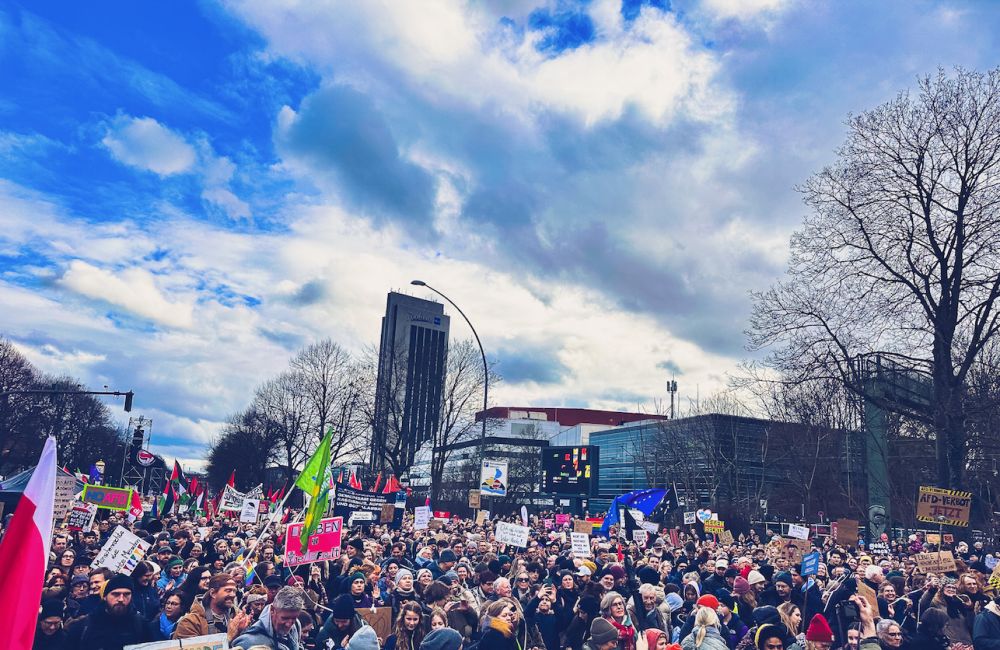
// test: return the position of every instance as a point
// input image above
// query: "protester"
(278, 626)
(214, 612)
(114, 625)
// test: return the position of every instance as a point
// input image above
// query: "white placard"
(232, 499)
(524, 515)
(650, 527)
(421, 517)
(798, 532)
(250, 511)
(581, 544)
(206, 642)
(689, 517)
(508, 533)
(65, 491)
(640, 536)
(122, 552)
(360, 515)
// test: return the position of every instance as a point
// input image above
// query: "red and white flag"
(135, 508)
(24, 553)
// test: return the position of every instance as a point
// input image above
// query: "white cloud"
(145, 143)
(745, 10)
(134, 289)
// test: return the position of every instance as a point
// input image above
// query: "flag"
(378, 480)
(180, 487)
(169, 492)
(95, 474)
(340, 476)
(24, 553)
(81, 476)
(354, 482)
(135, 508)
(232, 479)
(642, 500)
(392, 485)
(313, 481)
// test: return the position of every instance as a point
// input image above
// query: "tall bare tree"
(901, 252)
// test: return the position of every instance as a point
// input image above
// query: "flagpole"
(270, 520)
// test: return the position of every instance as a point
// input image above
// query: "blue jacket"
(261, 633)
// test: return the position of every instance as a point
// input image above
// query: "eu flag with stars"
(645, 501)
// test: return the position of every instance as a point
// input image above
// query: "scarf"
(166, 626)
(626, 633)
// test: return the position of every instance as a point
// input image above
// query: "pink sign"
(324, 544)
(562, 520)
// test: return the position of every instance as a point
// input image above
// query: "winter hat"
(741, 586)
(443, 638)
(783, 576)
(255, 598)
(601, 632)
(755, 577)
(402, 573)
(590, 606)
(76, 580)
(731, 573)
(648, 574)
(769, 631)
(363, 639)
(709, 601)
(725, 598)
(674, 601)
(584, 570)
(342, 607)
(819, 630)
(174, 562)
(273, 581)
(618, 571)
(358, 545)
(447, 555)
(652, 636)
(357, 575)
(721, 564)
(766, 615)
(51, 607)
(767, 571)
(118, 581)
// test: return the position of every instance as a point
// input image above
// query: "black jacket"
(102, 631)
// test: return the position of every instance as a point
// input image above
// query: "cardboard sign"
(949, 538)
(650, 527)
(508, 533)
(323, 544)
(493, 478)
(380, 619)
(232, 499)
(868, 594)
(940, 562)
(249, 511)
(847, 532)
(583, 526)
(689, 518)
(675, 537)
(435, 524)
(108, 497)
(794, 549)
(474, 499)
(714, 526)
(207, 642)
(796, 531)
(64, 496)
(121, 553)
(810, 564)
(388, 513)
(421, 517)
(951, 505)
(581, 544)
(934, 538)
(81, 517)
(726, 537)
(482, 516)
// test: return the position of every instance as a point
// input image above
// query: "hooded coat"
(713, 640)
(261, 633)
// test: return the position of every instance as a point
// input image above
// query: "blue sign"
(810, 564)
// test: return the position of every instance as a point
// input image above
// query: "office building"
(413, 357)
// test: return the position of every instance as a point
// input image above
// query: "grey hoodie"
(261, 633)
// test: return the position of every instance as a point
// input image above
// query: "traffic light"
(137, 437)
(128, 401)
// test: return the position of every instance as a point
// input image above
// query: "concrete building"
(413, 357)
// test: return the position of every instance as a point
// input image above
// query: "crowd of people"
(455, 587)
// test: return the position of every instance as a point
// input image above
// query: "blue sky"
(191, 191)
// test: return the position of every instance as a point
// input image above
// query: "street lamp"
(486, 369)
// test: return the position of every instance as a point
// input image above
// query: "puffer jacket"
(713, 640)
(261, 633)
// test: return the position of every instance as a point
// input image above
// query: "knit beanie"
(769, 631)
(741, 586)
(342, 607)
(118, 581)
(443, 638)
(819, 630)
(709, 601)
(783, 576)
(648, 575)
(725, 598)
(601, 632)
(755, 577)
(653, 636)
(402, 573)
(363, 639)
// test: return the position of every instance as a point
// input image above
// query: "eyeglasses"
(894, 634)
(522, 579)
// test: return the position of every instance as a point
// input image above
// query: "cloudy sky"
(191, 191)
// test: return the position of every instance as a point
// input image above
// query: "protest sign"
(562, 520)
(524, 515)
(940, 562)
(232, 499)
(810, 564)
(107, 497)
(726, 537)
(675, 537)
(583, 526)
(324, 544)
(791, 549)
(878, 548)
(796, 531)
(847, 532)
(81, 517)
(64, 496)
(994, 581)
(581, 544)
(206, 642)
(689, 518)
(474, 499)
(640, 536)
(482, 516)
(435, 524)
(122, 552)
(507, 533)
(380, 619)
(650, 527)
(714, 526)
(934, 538)
(388, 513)
(249, 511)
(949, 538)
(493, 478)
(868, 594)
(549, 523)
(421, 517)
(350, 503)
(953, 507)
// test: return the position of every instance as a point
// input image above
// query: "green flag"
(314, 481)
